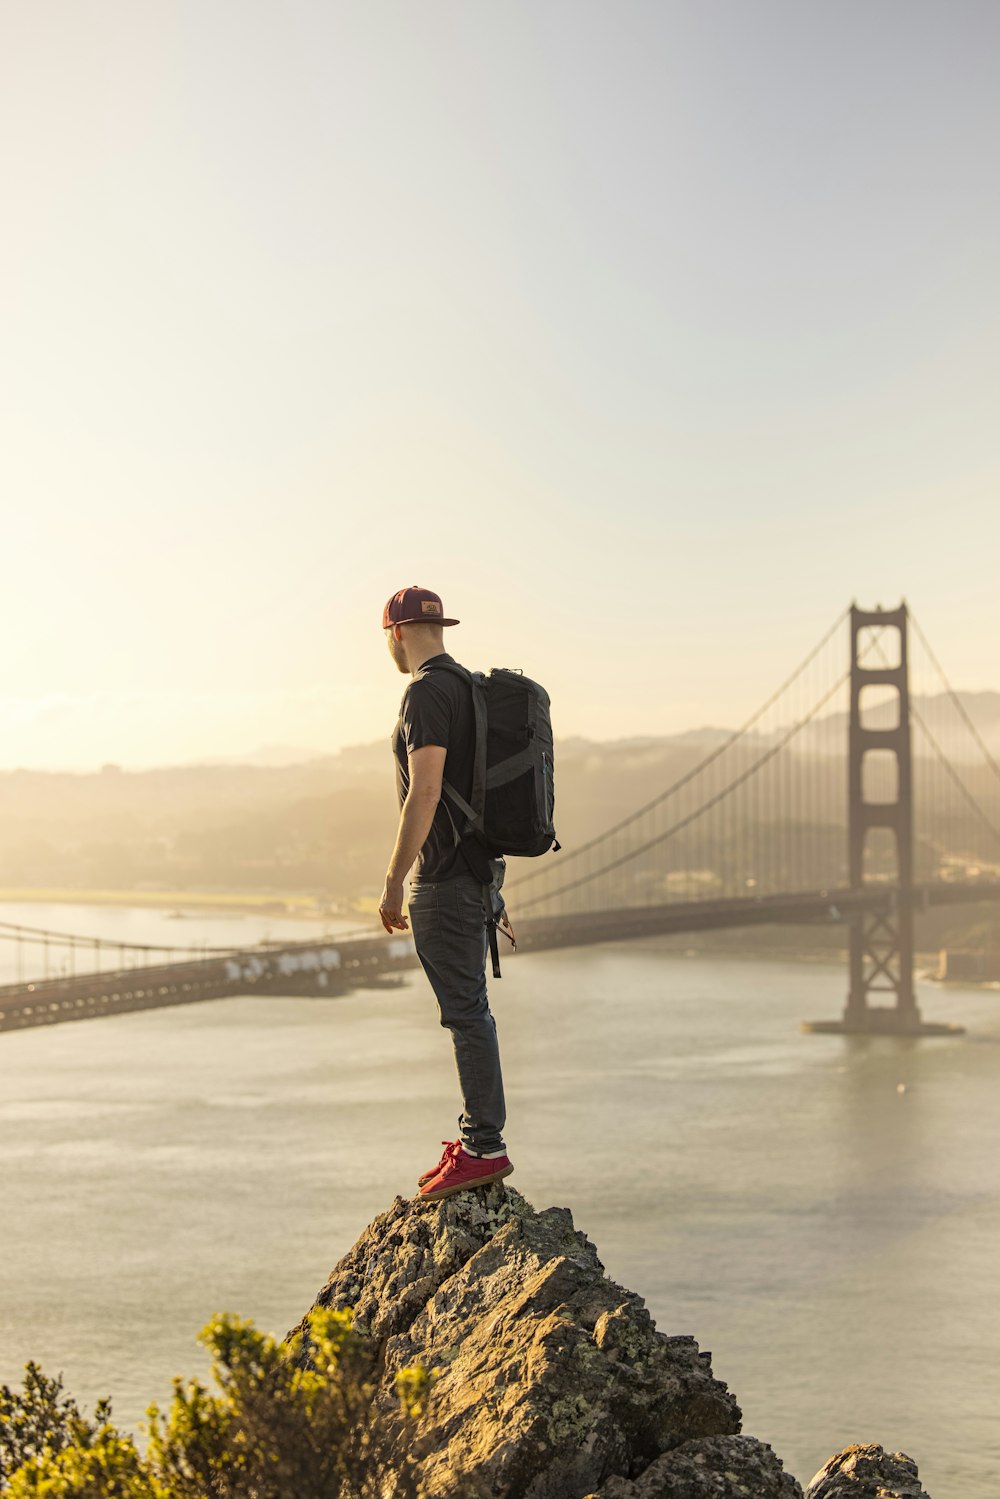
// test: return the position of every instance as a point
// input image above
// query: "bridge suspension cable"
(954, 775)
(706, 806)
(934, 743)
(694, 772)
(957, 701)
(805, 790)
(37, 934)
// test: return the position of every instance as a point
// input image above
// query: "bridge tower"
(881, 949)
(881, 946)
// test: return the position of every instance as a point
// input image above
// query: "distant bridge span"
(328, 968)
(817, 907)
(321, 968)
(774, 825)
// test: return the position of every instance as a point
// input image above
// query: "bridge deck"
(330, 967)
(319, 968)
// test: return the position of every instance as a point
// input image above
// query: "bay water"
(822, 1213)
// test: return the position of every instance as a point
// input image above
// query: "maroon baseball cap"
(415, 606)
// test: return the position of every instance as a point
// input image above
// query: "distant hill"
(266, 755)
(826, 735)
(938, 713)
(325, 824)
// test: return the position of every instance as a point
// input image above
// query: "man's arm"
(426, 769)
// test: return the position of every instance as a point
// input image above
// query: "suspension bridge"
(839, 801)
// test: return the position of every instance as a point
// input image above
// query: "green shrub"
(40, 1419)
(105, 1465)
(272, 1429)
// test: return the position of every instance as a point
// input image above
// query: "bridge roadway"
(813, 907)
(331, 967)
(303, 968)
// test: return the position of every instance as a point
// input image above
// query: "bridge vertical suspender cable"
(615, 856)
(568, 855)
(949, 767)
(733, 785)
(957, 701)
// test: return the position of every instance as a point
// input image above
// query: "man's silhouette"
(434, 740)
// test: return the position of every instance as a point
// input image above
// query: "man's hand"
(390, 907)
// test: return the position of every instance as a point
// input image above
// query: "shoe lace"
(452, 1156)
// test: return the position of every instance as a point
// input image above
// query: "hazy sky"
(650, 334)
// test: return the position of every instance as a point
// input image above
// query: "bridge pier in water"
(881, 941)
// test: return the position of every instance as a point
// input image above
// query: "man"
(434, 740)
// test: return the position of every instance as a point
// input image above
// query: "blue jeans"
(449, 932)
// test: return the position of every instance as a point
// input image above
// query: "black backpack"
(513, 788)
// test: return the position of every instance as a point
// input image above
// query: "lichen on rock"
(728, 1467)
(550, 1377)
(867, 1472)
(552, 1381)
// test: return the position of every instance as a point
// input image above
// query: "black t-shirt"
(437, 709)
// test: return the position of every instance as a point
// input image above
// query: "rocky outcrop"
(550, 1378)
(867, 1472)
(552, 1381)
(732, 1467)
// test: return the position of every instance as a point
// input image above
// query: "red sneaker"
(450, 1146)
(461, 1171)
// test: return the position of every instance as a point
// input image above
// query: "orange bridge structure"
(838, 801)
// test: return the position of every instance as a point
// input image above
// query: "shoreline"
(305, 907)
(313, 909)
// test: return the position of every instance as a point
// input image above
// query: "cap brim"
(423, 619)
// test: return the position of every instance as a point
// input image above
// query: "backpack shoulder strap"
(473, 810)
